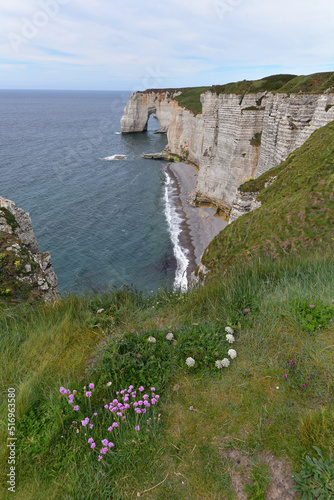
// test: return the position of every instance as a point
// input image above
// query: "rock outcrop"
(235, 137)
(26, 273)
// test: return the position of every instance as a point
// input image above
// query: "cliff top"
(297, 208)
(316, 83)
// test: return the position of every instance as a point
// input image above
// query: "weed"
(316, 478)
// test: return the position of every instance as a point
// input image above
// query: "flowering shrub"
(125, 413)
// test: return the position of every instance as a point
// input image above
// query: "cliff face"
(26, 273)
(235, 137)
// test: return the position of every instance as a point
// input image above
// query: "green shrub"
(316, 478)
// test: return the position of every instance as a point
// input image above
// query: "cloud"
(175, 43)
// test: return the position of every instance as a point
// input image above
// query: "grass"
(296, 212)
(190, 99)
(240, 407)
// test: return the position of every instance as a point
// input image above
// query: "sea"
(107, 222)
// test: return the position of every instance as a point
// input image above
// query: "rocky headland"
(26, 273)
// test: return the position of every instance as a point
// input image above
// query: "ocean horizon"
(106, 222)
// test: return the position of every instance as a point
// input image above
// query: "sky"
(134, 45)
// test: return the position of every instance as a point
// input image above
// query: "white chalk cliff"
(235, 137)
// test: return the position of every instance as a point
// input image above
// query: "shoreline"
(199, 224)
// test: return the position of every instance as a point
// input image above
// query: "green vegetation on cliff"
(310, 84)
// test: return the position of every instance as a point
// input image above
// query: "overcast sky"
(130, 45)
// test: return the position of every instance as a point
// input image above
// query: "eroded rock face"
(28, 273)
(235, 137)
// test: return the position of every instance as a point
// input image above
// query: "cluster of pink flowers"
(128, 397)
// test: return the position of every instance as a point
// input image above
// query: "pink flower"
(85, 421)
(88, 394)
(111, 445)
(119, 413)
(285, 375)
(62, 390)
(95, 414)
(174, 342)
(141, 388)
(153, 401)
(152, 389)
(138, 355)
(91, 386)
(291, 362)
(91, 426)
(105, 442)
(100, 458)
(312, 374)
(133, 330)
(106, 407)
(137, 428)
(146, 396)
(144, 410)
(90, 440)
(140, 403)
(115, 424)
(104, 450)
(110, 428)
(93, 445)
(76, 408)
(304, 385)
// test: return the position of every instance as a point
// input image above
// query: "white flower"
(232, 353)
(230, 338)
(109, 384)
(219, 364)
(225, 362)
(169, 336)
(190, 362)
(228, 329)
(152, 340)
(99, 311)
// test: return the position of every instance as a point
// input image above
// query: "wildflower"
(105, 442)
(230, 338)
(104, 450)
(169, 336)
(285, 375)
(100, 458)
(90, 440)
(95, 414)
(74, 392)
(146, 396)
(93, 445)
(137, 428)
(133, 330)
(76, 408)
(174, 342)
(91, 386)
(109, 384)
(139, 355)
(190, 362)
(106, 407)
(312, 374)
(219, 364)
(119, 413)
(99, 311)
(225, 362)
(85, 421)
(311, 306)
(228, 329)
(153, 401)
(110, 444)
(304, 385)
(141, 389)
(88, 394)
(152, 389)
(232, 353)
(292, 362)
(62, 390)
(130, 388)
(152, 340)
(191, 408)
(91, 426)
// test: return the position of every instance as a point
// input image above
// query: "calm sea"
(103, 220)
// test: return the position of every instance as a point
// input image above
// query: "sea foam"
(114, 157)
(174, 223)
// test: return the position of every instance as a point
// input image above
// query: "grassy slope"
(313, 84)
(297, 208)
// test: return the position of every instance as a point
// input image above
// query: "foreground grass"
(249, 406)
